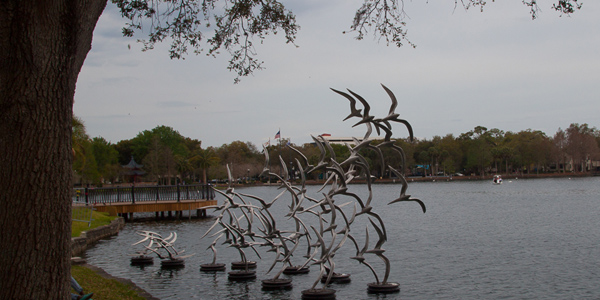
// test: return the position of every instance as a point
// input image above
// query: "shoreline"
(87, 238)
(408, 179)
(432, 179)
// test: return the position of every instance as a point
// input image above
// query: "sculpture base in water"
(142, 260)
(212, 267)
(296, 270)
(383, 288)
(318, 294)
(172, 263)
(237, 265)
(277, 284)
(337, 278)
(241, 275)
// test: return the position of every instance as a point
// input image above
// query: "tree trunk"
(42, 47)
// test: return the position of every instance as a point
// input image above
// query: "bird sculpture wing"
(353, 111)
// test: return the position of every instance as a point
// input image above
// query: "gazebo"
(133, 170)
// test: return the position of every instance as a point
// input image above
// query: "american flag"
(278, 134)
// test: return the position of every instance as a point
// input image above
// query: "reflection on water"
(525, 239)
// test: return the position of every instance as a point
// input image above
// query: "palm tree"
(79, 141)
(204, 159)
(78, 138)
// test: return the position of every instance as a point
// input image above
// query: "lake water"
(524, 239)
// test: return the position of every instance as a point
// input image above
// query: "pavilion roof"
(133, 165)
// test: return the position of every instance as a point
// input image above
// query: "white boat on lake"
(497, 179)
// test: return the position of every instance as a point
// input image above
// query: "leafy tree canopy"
(166, 136)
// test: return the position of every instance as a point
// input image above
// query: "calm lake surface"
(524, 239)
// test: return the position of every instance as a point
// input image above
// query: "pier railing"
(135, 194)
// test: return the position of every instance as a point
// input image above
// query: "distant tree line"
(170, 158)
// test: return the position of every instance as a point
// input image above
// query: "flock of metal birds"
(246, 221)
(163, 247)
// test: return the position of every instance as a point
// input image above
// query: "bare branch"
(237, 23)
(386, 17)
(180, 21)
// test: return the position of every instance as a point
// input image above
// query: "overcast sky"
(497, 69)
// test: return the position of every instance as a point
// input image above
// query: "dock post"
(133, 192)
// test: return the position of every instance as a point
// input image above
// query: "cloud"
(497, 69)
(173, 104)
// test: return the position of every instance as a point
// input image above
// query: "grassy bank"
(96, 281)
(98, 219)
(103, 288)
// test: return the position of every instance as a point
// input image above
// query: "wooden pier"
(125, 201)
(126, 210)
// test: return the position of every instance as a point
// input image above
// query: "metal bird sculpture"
(257, 225)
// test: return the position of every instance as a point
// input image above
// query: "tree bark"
(42, 47)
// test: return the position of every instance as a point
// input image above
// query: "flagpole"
(279, 151)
